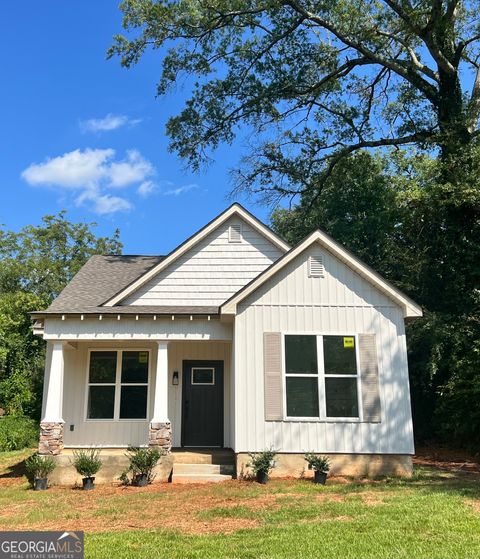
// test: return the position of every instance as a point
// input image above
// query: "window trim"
(118, 385)
(322, 396)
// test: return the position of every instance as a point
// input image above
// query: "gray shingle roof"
(99, 280)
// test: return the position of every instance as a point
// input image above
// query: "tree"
(35, 264)
(315, 80)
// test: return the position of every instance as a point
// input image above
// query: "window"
(118, 384)
(321, 376)
(203, 375)
(302, 376)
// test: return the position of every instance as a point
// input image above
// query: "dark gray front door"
(202, 417)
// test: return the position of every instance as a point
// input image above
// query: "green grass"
(432, 515)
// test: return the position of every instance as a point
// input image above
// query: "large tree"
(35, 264)
(315, 80)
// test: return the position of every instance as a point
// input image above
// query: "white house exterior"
(234, 340)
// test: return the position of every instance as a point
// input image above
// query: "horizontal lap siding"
(342, 302)
(211, 272)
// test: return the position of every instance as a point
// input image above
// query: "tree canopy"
(314, 80)
(35, 264)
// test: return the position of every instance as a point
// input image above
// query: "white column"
(160, 401)
(54, 388)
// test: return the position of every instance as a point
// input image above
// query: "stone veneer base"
(160, 434)
(51, 438)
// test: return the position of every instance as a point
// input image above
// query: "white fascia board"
(235, 209)
(409, 307)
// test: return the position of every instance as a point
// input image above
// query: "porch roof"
(131, 310)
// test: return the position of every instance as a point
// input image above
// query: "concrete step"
(219, 456)
(199, 478)
(202, 469)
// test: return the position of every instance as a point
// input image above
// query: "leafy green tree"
(35, 264)
(315, 80)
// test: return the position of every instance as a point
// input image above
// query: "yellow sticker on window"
(348, 342)
(143, 357)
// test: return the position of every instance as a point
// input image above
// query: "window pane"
(302, 397)
(339, 355)
(203, 376)
(135, 366)
(101, 402)
(133, 402)
(341, 394)
(103, 366)
(301, 354)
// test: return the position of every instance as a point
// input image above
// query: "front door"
(202, 416)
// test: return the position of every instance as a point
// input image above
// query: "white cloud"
(180, 190)
(91, 172)
(147, 188)
(107, 204)
(108, 123)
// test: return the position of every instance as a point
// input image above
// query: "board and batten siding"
(341, 302)
(210, 272)
(111, 433)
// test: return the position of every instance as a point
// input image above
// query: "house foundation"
(351, 465)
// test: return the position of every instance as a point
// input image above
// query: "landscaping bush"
(87, 462)
(17, 432)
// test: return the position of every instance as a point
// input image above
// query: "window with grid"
(118, 384)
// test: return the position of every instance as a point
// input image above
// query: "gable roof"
(409, 307)
(100, 278)
(233, 210)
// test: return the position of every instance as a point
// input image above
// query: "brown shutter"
(369, 378)
(272, 359)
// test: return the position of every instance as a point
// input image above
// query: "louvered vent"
(315, 267)
(235, 233)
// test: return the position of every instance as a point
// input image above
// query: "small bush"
(87, 462)
(38, 467)
(262, 461)
(317, 463)
(17, 432)
(143, 460)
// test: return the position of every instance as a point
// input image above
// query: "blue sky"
(81, 133)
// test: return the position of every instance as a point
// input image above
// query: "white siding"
(342, 302)
(212, 271)
(122, 433)
(128, 328)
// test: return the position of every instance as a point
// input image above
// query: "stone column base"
(160, 434)
(51, 438)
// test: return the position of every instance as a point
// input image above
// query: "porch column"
(51, 425)
(160, 432)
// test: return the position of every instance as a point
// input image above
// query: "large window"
(321, 376)
(118, 384)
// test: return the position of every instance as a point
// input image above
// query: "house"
(234, 340)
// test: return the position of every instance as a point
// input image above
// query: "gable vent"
(315, 267)
(235, 233)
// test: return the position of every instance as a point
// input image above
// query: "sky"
(79, 132)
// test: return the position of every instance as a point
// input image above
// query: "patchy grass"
(435, 514)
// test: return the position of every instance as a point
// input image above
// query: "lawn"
(435, 514)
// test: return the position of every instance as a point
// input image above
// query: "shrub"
(38, 467)
(317, 462)
(262, 461)
(87, 462)
(17, 432)
(143, 460)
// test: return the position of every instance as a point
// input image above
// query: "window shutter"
(315, 267)
(369, 378)
(272, 358)
(235, 233)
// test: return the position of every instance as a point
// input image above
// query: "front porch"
(115, 394)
